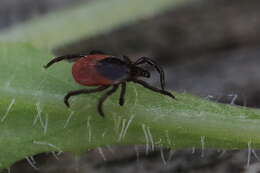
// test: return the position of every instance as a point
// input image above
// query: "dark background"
(210, 49)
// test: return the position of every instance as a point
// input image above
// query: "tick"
(109, 73)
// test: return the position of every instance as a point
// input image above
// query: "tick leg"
(146, 85)
(151, 62)
(82, 91)
(65, 57)
(104, 97)
(122, 94)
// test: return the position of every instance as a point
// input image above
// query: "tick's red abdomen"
(84, 71)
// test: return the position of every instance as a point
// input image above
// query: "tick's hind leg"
(60, 58)
(82, 91)
(103, 98)
(122, 94)
(146, 85)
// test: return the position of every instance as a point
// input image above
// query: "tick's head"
(139, 72)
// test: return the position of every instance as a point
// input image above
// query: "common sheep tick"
(105, 71)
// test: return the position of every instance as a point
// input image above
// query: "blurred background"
(207, 48)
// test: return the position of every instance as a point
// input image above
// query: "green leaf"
(34, 118)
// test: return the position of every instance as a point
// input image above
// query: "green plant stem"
(34, 118)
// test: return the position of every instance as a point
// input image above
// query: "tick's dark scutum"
(113, 69)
